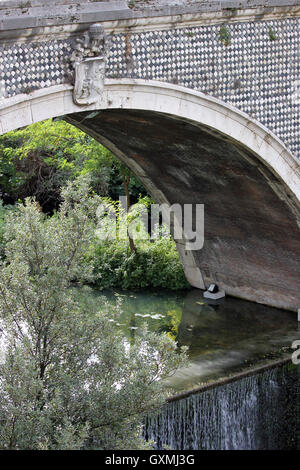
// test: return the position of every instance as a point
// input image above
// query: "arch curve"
(210, 153)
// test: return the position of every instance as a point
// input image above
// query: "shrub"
(69, 378)
(4, 211)
(154, 264)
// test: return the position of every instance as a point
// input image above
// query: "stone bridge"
(201, 99)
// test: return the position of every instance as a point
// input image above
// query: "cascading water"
(257, 412)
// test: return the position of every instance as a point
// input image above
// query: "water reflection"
(222, 335)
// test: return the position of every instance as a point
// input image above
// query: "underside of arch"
(189, 148)
(252, 246)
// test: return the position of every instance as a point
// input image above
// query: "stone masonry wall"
(255, 66)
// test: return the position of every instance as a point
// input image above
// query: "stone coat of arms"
(89, 61)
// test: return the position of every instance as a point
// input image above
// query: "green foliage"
(224, 35)
(4, 211)
(69, 379)
(154, 264)
(272, 34)
(38, 159)
(116, 186)
(25, 5)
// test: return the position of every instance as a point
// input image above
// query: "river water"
(224, 337)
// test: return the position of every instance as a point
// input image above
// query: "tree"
(69, 379)
(37, 160)
(126, 176)
(4, 210)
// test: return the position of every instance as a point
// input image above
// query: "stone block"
(214, 296)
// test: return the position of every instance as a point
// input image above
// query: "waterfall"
(257, 412)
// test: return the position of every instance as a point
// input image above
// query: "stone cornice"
(66, 19)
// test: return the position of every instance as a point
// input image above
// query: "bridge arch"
(188, 147)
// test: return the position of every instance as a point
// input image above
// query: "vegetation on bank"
(154, 261)
(69, 378)
(39, 159)
(4, 211)
(154, 265)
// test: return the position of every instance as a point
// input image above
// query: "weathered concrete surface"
(252, 243)
(206, 5)
(22, 16)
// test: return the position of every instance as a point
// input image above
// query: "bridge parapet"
(19, 15)
(246, 53)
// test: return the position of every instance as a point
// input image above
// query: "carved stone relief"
(89, 61)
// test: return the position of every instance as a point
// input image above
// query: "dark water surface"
(223, 336)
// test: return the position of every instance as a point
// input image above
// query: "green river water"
(223, 336)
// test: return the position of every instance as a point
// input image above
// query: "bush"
(69, 378)
(4, 210)
(37, 161)
(154, 264)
